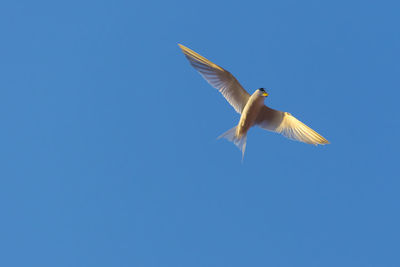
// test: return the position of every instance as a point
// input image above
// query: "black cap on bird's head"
(264, 93)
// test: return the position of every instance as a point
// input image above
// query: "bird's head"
(262, 92)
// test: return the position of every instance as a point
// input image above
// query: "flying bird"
(251, 107)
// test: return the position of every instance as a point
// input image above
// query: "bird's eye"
(262, 89)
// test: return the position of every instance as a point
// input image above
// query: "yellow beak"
(265, 94)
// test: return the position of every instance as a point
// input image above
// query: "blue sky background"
(109, 154)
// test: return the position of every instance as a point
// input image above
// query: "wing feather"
(287, 125)
(219, 78)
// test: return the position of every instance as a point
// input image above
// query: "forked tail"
(239, 141)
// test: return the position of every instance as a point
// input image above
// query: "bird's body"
(250, 112)
(251, 107)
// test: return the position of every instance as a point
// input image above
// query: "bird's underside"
(251, 107)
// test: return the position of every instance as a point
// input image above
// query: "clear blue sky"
(108, 136)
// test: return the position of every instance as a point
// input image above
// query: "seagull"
(251, 108)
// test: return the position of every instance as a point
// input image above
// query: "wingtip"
(325, 142)
(181, 46)
(321, 143)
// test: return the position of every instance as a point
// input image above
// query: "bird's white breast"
(249, 113)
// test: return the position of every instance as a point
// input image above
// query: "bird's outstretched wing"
(287, 125)
(219, 78)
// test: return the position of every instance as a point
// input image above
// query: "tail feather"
(239, 141)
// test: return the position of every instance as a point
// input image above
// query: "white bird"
(251, 107)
